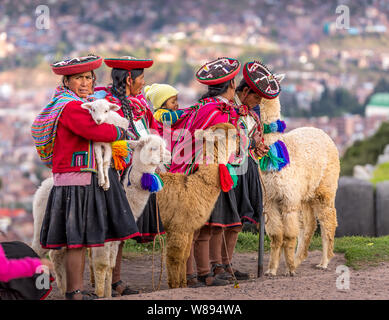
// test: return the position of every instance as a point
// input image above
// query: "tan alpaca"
(300, 193)
(186, 202)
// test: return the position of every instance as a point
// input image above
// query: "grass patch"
(131, 246)
(381, 173)
(358, 251)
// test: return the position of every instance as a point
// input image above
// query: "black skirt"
(23, 288)
(149, 224)
(225, 213)
(87, 216)
(248, 193)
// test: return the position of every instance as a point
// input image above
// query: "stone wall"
(361, 209)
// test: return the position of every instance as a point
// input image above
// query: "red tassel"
(225, 178)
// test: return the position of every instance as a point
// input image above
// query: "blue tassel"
(151, 182)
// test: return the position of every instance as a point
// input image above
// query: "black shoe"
(209, 280)
(85, 295)
(241, 275)
(127, 290)
(238, 275)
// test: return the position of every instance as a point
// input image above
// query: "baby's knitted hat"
(158, 93)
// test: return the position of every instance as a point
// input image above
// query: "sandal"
(85, 295)
(238, 275)
(220, 273)
(127, 290)
(192, 282)
(209, 280)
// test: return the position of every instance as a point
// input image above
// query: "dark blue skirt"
(243, 203)
(87, 216)
(248, 193)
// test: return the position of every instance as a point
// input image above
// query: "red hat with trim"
(261, 80)
(128, 63)
(76, 65)
(218, 71)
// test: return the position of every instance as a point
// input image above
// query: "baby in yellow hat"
(165, 102)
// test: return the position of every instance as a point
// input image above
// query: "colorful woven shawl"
(201, 116)
(44, 127)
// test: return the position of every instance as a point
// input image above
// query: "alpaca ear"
(87, 106)
(280, 76)
(114, 107)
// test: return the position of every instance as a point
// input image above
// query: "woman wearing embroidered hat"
(79, 213)
(257, 83)
(214, 107)
(127, 82)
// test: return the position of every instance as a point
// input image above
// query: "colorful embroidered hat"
(218, 71)
(128, 63)
(76, 65)
(261, 80)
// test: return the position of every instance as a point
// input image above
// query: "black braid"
(118, 89)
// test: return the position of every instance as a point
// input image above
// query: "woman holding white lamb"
(79, 212)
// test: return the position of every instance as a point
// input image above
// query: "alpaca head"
(271, 108)
(219, 142)
(100, 109)
(149, 152)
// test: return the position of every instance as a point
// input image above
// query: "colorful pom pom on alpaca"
(151, 182)
(276, 158)
(121, 154)
(228, 177)
(277, 126)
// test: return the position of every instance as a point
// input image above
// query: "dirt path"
(309, 283)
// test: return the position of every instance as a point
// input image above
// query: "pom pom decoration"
(233, 175)
(228, 177)
(121, 154)
(278, 126)
(276, 158)
(151, 182)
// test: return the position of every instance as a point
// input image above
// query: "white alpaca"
(152, 153)
(300, 193)
(103, 111)
(152, 149)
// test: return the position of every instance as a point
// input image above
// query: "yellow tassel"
(119, 153)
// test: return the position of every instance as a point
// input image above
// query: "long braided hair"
(118, 89)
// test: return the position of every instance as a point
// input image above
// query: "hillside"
(366, 151)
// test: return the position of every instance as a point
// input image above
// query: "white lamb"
(103, 111)
(148, 153)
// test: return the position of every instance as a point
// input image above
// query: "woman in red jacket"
(79, 213)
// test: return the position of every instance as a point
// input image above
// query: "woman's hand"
(48, 264)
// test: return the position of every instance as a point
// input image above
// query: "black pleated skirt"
(248, 193)
(225, 213)
(87, 216)
(23, 288)
(149, 223)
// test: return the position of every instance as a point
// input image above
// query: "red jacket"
(73, 148)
